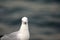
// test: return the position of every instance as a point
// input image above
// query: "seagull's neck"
(24, 27)
(24, 32)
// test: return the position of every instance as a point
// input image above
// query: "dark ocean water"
(44, 19)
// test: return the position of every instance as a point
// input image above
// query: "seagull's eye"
(24, 22)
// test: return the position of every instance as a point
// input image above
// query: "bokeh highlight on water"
(44, 18)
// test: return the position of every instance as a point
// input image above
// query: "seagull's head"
(25, 20)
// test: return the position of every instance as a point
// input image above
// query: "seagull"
(21, 34)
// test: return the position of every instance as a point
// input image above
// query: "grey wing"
(5, 38)
(12, 36)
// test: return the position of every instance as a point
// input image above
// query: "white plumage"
(21, 34)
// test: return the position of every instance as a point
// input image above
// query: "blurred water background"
(44, 17)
